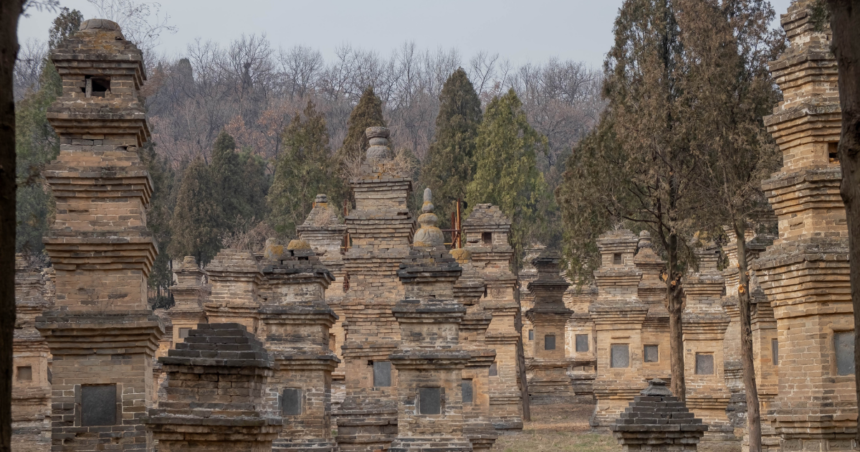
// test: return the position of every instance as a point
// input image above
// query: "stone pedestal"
(704, 330)
(473, 337)
(325, 233)
(657, 421)
(805, 274)
(235, 280)
(100, 332)
(430, 359)
(295, 324)
(380, 229)
(31, 388)
(550, 383)
(487, 230)
(618, 316)
(215, 381)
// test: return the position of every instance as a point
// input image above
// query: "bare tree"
(142, 22)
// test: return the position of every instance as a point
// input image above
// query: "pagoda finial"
(429, 234)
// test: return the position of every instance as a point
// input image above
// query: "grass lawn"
(558, 428)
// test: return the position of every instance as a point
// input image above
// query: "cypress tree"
(303, 171)
(506, 166)
(368, 113)
(196, 227)
(226, 173)
(450, 163)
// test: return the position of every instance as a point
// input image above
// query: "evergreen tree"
(65, 25)
(197, 225)
(226, 172)
(255, 187)
(303, 171)
(450, 163)
(368, 113)
(158, 217)
(506, 170)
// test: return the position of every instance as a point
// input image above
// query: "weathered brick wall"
(235, 280)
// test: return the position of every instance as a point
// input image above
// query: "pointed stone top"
(322, 214)
(429, 234)
(189, 264)
(379, 148)
(645, 256)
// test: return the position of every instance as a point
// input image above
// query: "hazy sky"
(521, 31)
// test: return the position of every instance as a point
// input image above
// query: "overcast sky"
(521, 31)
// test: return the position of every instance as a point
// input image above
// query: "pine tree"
(450, 162)
(226, 173)
(368, 113)
(197, 225)
(158, 217)
(506, 170)
(65, 25)
(303, 171)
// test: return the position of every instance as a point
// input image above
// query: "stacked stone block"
(325, 232)
(658, 421)
(805, 274)
(468, 291)
(100, 332)
(31, 387)
(295, 323)
(487, 231)
(704, 328)
(214, 398)
(550, 382)
(430, 359)
(656, 362)
(235, 280)
(618, 317)
(380, 229)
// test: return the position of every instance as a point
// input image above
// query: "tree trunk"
(10, 11)
(676, 340)
(845, 25)
(753, 407)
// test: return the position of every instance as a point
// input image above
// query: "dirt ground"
(558, 428)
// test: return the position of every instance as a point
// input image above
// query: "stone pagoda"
(805, 274)
(325, 232)
(656, 362)
(487, 232)
(581, 342)
(295, 322)
(189, 294)
(704, 330)
(31, 388)
(215, 394)
(430, 359)
(100, 331)
(380, 229)
(235, 280)
(468, 291)
(618, 316)
(549, 382)
(527, 274)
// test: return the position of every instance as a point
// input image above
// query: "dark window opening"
(616, 258)
(704, 364)
(468, 392)
(844, 345)
(774, 350)
(25, 373)
(487, 238)
(381, 374)
(582, 342)
(430, 400)
(291, 402)
(549, 342)
(619, 355)
(652, 354)
(98, 405)
(833, 152)
(494, 370)
(531, 335)
(184, 332)
(96, 86)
